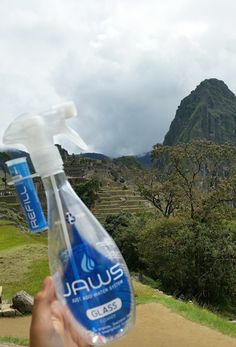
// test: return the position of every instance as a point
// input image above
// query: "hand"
(50, 326)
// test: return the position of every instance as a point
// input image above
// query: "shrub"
(192, 258)
(122, 229)
(87, 191)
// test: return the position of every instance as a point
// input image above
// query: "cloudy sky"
(126, 63)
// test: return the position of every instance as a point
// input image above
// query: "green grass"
(37, 272)
(23, 265)
(193, 312)
(23, 260)
(151, 282)
(14, 340)
(5, 222)
(10, 237)
(29, 280)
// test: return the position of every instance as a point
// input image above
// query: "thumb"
(41, 323)
(46, 294)
(43, 300)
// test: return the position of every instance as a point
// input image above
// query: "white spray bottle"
(90, 275)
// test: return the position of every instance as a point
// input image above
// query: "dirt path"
(156, 326)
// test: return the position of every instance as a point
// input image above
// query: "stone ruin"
(22, 303)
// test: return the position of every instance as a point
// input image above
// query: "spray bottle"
(90, 275)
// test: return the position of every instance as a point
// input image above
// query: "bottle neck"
(59, 179)
(47, 161)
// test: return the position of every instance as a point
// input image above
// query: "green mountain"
(208, 112)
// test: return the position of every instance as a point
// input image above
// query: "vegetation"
(184, 257)
(87, 191)
(14, 340)
(122, 228)
(9, 215)
(164, 194)
(191, 248)
(129, 161)
(196, 179)
(24, 261)
(194, 259)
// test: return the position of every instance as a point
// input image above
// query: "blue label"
(96, 288)
(28, 197)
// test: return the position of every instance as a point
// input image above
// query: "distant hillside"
(129, 161)
(97, 156)
(145, 159)
(209, 112)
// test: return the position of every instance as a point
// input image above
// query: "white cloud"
(127, 64)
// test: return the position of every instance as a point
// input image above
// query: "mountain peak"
(208, 112)
(213, 84)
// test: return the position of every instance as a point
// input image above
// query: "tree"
(123, 229)
(197, 171)
(87, 191)
(193, 251)
(161, 192)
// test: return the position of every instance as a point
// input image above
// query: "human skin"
(50, 326)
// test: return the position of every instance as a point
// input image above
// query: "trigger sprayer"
(90, 274)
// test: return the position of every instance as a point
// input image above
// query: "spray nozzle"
(36, 132)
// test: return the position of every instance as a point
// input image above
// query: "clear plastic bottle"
(90, 274)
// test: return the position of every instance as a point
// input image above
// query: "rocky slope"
(209, 112)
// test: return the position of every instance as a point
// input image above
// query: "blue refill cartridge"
(19, 170)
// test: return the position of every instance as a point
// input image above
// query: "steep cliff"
(209, 112)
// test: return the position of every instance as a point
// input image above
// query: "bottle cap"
(37, 131)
